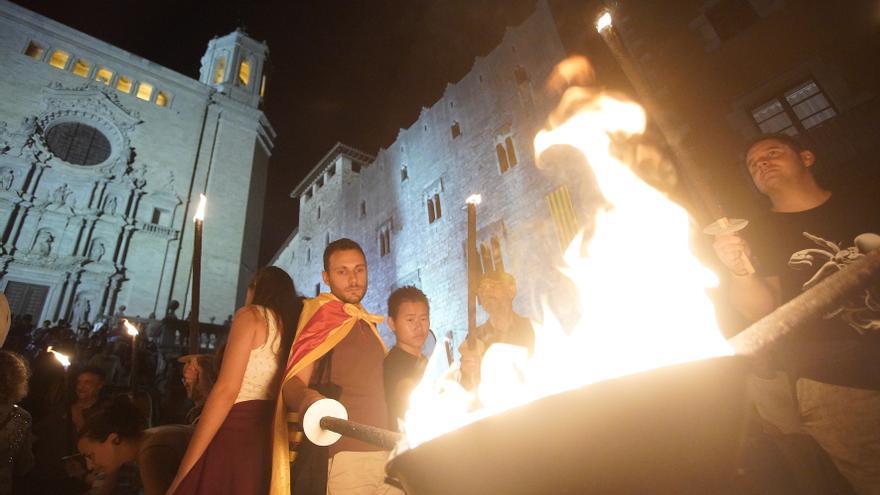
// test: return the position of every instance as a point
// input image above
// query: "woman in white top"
(230, 451)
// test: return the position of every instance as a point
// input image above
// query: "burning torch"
(199, 220)
(133, 331)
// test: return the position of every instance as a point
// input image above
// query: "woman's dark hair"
(273, 289)
(13, 377)
(118, 415)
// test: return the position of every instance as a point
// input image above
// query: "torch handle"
(379, 437)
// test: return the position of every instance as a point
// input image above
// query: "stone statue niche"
(82, 309)
(43, 243)
(96, 253)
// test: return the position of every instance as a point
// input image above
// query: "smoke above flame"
(642, 293)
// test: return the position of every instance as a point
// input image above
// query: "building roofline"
(338, 149)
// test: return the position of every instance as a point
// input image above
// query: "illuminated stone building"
(102, 154)
(405, 205)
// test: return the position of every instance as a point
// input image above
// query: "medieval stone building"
(102, 157)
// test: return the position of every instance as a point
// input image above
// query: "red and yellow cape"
(324, 322)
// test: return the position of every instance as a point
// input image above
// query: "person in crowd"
(496, 293)
(809, 233)
(338, 354)
(199, 375)
(409, 317)
(88, 384)
(237, 416)
(16, 456)
(20, 333)
(114, 436)
(108, 362)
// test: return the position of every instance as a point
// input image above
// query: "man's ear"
(326, 278)
(808, 158)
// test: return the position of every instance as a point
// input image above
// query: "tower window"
(363, 209)
(219, 70)
(104, 75)
(437, 208)
(263, 87)
(124, 84)
(319, 212)
(404, 173)
(59, 59)
(145, 91)
(506, 155)
(562, 211)
(244, 72)
(34, 51)
(81, 68)
(431, 214)
(455, 130)
(385, 239)
(159, 216)
(161, 99)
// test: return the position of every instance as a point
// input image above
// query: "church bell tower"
(234, 65)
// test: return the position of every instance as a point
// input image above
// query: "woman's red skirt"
(239, 458)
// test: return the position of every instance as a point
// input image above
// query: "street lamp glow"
(131, 329)
(603, 22)
(200, 211)
(61, 358)
(474, 199)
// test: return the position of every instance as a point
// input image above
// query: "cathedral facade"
(406, 204)
(103, 155)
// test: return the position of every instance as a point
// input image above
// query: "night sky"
(352, 71)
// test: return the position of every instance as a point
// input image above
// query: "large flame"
(641, 290)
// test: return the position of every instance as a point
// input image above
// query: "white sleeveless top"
(262, 366)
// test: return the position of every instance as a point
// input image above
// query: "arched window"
(486, 258)
(511, 152)
(497, 259)
(244, 72)
(431, 215)
(437, 209)
(503, 164)
(319, 212)
(219, 70)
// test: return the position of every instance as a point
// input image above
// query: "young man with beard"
(337, 353)
(833, 363)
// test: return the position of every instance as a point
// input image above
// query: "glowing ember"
(130, 328)
(642, 293)
(61, 358)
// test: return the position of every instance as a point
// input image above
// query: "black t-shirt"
(402, 372)
(805, 247)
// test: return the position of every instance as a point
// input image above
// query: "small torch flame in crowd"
(641, 291)
(61, 358)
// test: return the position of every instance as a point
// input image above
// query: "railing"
(152, 228)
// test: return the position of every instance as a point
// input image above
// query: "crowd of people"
(232, 422)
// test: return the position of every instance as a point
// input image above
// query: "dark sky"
(353, 71)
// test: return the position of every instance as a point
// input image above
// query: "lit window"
(511, 152)
(219, 69)
(437, 209)
(34, 51)
(263, 87)
(503, 164)
(81, 68)
(59, 59)
(145, 91)
(161, 99)
(431, 215)
(124, 84)
(244, 72)
(563, 215)
(795, 111)
(104, 75)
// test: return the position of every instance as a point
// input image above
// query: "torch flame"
(61, 358)
(130, 328)
(641, 291)
(474, 199)
(200, 211)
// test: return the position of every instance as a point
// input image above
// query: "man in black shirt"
(410, 319)
(808, 234)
